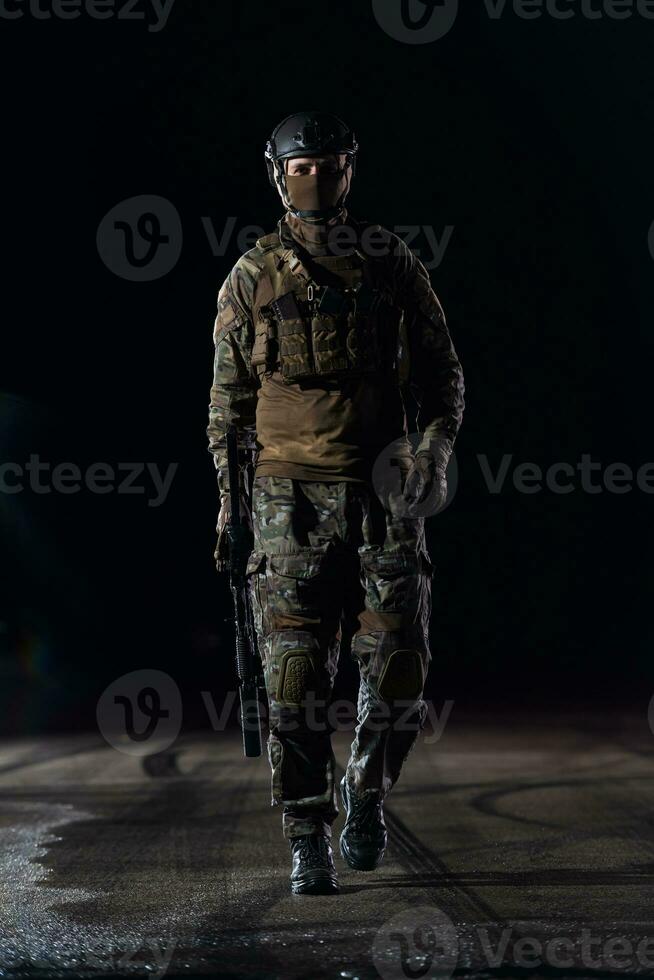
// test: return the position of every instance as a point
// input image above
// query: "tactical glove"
(428, 474)
(221, 553)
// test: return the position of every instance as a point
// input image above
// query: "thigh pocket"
(297, 588)
(391, 581)
(255, 574)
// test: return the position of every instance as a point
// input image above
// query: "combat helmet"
(311, 133)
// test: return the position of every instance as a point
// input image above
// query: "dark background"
(532, 138)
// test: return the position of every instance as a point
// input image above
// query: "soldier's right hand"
(221, 553)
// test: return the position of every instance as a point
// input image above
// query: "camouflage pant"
(329, 557)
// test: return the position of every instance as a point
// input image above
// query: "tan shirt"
(325, 433)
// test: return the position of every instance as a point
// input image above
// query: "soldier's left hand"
(421, 478)
(427, 476)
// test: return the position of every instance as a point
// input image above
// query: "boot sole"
(361, 864)
(315, 884)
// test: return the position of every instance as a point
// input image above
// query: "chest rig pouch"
(332, 320)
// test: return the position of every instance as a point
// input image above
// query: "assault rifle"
(248, 663)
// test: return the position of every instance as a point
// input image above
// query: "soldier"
(328, 335)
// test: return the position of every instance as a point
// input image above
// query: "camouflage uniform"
(328, 556)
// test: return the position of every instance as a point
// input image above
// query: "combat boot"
(313, 866)
(364, 836)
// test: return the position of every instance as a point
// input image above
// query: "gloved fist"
(427, 476)
(221, 553)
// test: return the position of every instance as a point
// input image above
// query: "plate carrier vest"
(329, 316)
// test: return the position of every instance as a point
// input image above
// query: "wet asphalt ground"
(518, 848)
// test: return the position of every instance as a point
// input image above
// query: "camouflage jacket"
(435, 380)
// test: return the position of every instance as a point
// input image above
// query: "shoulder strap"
(268, 286)
(276, 253)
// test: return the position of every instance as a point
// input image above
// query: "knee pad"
(297, 677)
(401, 678)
